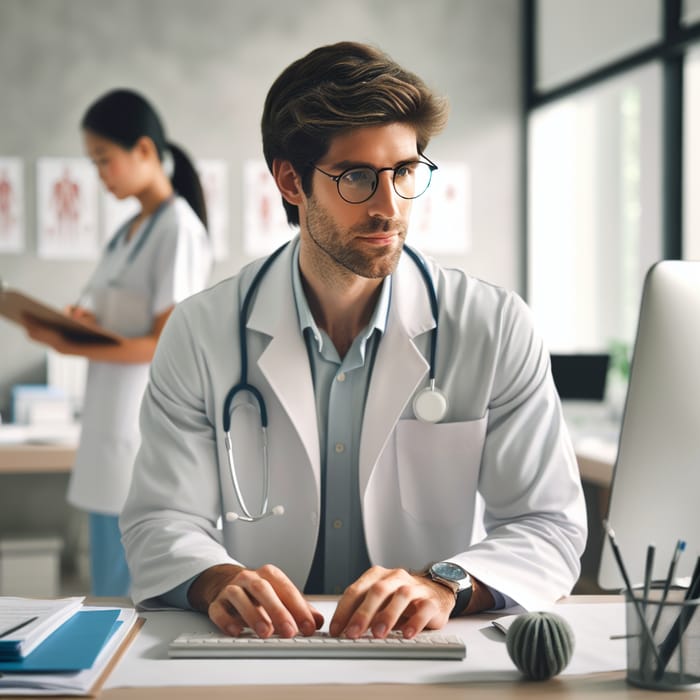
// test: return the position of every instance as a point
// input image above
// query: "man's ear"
(288, 181)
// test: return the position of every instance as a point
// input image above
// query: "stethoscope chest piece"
(430, 405)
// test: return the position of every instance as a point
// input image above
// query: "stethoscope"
(429, 404)
(116, 275)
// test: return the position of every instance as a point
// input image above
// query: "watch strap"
(462, 601)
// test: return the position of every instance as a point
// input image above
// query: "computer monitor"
(655, 497)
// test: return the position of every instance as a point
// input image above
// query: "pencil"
(634, 601)
(24, 623)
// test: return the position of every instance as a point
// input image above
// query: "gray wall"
(207, 64)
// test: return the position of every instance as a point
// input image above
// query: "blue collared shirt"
(340, 389)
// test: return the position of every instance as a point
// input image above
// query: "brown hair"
(337, 88)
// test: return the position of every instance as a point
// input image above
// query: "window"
(594, 210)
(575, 37)
(691, 160)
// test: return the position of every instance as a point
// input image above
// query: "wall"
(207, 65)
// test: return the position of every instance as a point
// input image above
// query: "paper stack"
(58, 647)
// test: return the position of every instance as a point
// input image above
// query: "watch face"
(448, 571)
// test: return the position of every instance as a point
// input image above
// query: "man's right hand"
(263, 599)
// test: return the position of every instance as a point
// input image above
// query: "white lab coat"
(503, 444)
(172, 262)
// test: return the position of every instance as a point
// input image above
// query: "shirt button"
(339, 447)
(337, 524)
(341, 377)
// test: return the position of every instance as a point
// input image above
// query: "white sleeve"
(183, 264)
(534, 509)
(169, 521)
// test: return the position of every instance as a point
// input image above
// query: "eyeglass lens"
(410, 180)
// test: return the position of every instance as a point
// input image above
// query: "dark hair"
(124, 116)
(337, 88)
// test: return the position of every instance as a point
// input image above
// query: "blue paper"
(74, 646)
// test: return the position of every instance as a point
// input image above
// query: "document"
(94, 641)
(26, 622)
(15, 304)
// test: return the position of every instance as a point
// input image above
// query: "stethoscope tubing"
(243, 385)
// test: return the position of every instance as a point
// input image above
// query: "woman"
(157, 258)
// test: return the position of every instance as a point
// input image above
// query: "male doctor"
(415, 499)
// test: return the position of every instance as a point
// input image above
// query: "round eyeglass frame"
(337, 178)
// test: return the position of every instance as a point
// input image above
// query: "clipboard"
(14, 304)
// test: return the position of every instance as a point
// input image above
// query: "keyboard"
(210, 645)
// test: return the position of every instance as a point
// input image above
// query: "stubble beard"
(330, 239)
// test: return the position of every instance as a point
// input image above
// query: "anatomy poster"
(214, 177)
(11, 205)
(67, 196)
(265, 225)
(441, 218)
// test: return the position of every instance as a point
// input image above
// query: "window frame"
(670, 51)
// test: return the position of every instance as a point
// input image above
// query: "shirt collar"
(306, 320)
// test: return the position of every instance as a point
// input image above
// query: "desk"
(36, 459)
(33, 484)
(594, 687)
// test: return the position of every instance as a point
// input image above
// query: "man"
(416, 504)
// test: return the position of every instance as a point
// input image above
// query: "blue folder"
(74, 646)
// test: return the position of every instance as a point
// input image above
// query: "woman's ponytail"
(186, 181)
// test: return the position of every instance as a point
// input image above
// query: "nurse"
(155, 259)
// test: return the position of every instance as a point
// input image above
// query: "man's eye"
(359, 178)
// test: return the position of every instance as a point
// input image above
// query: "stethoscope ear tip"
(278, 510)
(231, 517)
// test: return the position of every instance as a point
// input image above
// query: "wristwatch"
(456, 579)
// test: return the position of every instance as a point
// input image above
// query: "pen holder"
(673, 662)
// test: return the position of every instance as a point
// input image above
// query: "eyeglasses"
(357, 185)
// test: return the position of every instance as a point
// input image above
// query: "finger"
(411, 609)
(351, 599)
(222, 613)
(288, 611)
(373, 599)
(317, 617)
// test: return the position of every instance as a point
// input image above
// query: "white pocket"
(438, 467)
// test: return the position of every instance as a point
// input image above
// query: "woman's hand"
(46, 335)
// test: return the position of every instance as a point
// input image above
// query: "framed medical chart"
(11, 205)
(67, 209)
(265, 226)
(213, 175)
(441, 218)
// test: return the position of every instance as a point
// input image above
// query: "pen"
(673, 638)
(19, 626)
(648, 569)
(625, 578)
(680, 546)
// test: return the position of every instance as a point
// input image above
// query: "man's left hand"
(382, 600)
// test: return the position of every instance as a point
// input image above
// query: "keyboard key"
(426, 645)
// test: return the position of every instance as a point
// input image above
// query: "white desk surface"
(451, 679)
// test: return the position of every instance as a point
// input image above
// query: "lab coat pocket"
(438, 467)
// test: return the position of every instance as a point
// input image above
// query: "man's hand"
(382, 600)
(263, 599)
